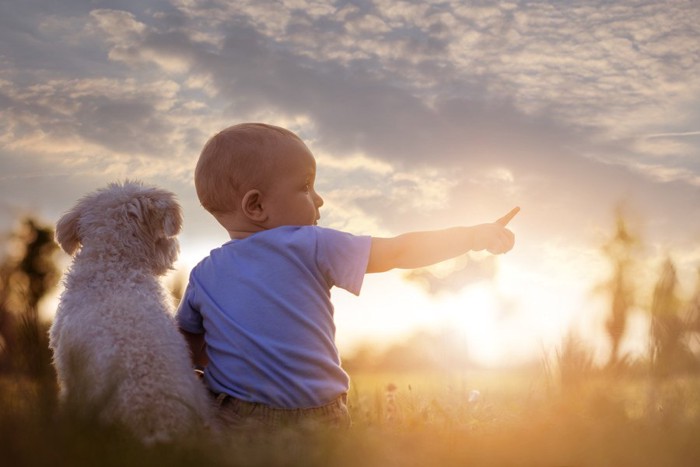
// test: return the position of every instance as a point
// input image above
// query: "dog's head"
(127, 220)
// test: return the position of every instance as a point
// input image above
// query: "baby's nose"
(319, 200)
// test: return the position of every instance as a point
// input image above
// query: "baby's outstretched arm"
(419, 249)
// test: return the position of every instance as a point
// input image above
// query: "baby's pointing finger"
(503, 221)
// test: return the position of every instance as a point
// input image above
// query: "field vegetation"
(565, 410)
(418, 419)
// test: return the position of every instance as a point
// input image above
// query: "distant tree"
(27, 274)
(692, 314)
(669, 352)
(365, 357)
(620, 250)
(8, 322)
(37, 265)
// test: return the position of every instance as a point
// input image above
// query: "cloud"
(593, 75)
(466, 271)
(674, 135)
(441, 103)
(120, 115)
(390, 74)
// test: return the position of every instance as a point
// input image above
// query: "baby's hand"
(495, 237)
(503, 221)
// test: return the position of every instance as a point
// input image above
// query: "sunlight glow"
(507, 321)
(474, 315)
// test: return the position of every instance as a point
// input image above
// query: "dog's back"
(116, 347)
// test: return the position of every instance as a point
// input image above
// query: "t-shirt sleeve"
(188, 316)
(343, 258)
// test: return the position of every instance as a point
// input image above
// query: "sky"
(421, 115)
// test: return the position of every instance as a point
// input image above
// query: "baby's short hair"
(234, 161)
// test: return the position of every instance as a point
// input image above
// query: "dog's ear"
(172, 218)
(160, 211)
(67, 232)
(136, 209)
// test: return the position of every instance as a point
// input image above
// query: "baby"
(257, 312)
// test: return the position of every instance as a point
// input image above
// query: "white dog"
(116, 347)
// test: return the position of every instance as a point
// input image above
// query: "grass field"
(408, 419)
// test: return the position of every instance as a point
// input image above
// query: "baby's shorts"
(235, 414)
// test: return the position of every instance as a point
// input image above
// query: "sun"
(473, 315)
(506, 319)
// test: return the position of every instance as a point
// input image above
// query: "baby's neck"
(238, 228)
(239, 234)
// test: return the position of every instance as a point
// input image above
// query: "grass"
(418, 419)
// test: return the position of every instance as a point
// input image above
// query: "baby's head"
(255, 176)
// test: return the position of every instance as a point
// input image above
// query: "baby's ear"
(67, 230)
(251, 205)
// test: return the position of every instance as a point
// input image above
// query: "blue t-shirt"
(264, 306)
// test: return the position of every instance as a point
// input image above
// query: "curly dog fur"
(116, 347)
